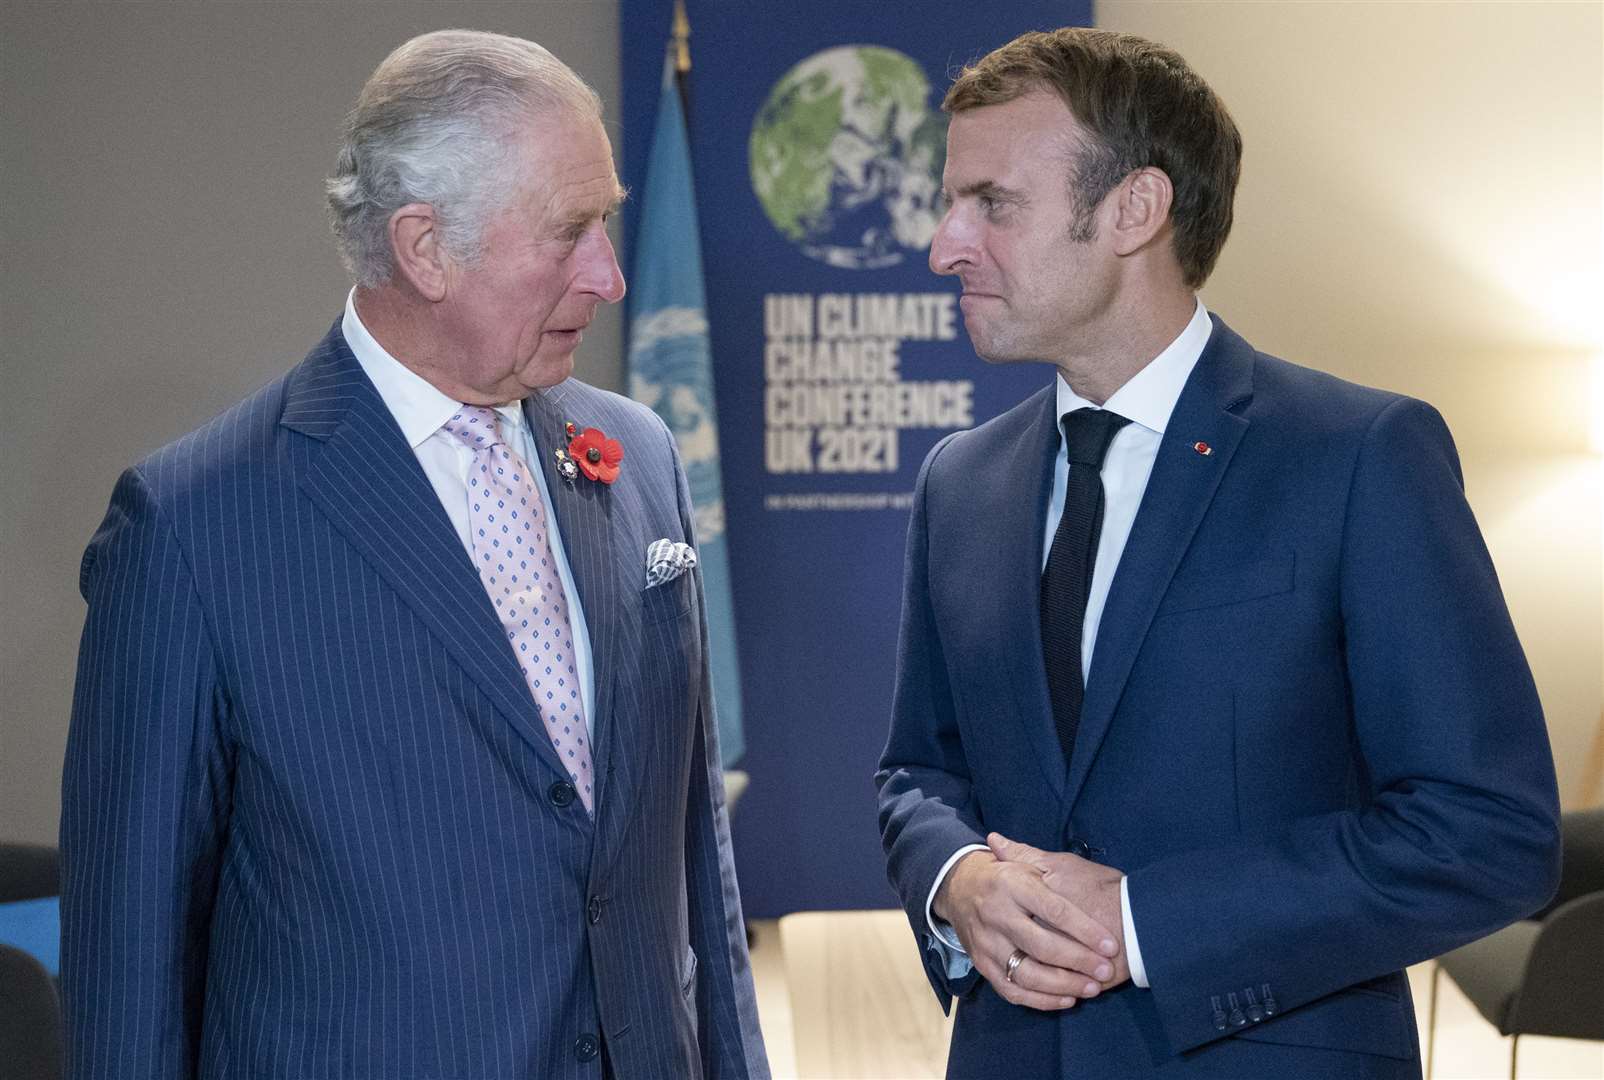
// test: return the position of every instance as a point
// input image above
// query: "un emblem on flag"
(669, 373)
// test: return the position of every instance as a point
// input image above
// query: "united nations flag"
(670, 370)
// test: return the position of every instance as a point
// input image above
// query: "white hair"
(435, 124)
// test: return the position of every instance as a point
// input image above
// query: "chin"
(993, 353)
(988, 347)
(546, 371)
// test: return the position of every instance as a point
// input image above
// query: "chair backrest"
(30, 1018)
(1582, 860)
(28, 872)
(1562, 990)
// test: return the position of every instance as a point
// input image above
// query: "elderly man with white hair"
(392, 750)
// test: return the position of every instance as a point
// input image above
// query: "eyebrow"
(582, 218)
(986, 187)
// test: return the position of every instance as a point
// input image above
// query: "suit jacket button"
(562, 793)
(593, 910)
(586, 1047)
(1079, 847)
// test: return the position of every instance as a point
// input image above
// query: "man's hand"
(1090, 887)
(998, 904)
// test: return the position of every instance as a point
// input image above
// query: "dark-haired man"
(1210, 717)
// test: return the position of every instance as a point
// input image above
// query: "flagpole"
(681, 39)
(679, 46)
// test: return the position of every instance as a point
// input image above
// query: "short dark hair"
(1143, 106)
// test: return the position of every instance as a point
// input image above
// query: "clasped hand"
(1061, 911)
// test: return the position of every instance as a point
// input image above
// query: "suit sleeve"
(145, 794)
(726, 1002)
(1457, 830)
(927, 809)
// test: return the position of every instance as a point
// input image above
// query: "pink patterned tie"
(507, 527)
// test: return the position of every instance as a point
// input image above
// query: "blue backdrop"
(839, 360)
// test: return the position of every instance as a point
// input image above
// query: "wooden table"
(859, 1000)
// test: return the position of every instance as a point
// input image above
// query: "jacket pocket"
(687, 979)
(670, 600)
(1194, 591)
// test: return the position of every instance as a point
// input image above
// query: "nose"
(599, 273)
(953, 245)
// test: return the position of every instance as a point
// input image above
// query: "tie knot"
(1087, 433)
(474, 426)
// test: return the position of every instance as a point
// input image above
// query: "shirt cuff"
(944, 940)
(1133, 949)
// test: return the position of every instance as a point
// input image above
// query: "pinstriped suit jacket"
(310, 825)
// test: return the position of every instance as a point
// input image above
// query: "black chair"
(30, 1018)
(1543, 975)
(30, 1006)
(28, 872)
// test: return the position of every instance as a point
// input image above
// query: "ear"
(1142, 209)
(415, 243)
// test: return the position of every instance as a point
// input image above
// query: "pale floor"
(865, 1011)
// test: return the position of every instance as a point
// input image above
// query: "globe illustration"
(846, 157)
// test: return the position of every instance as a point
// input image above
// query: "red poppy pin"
(597, 456)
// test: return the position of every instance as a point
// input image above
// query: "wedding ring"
(1015, 958)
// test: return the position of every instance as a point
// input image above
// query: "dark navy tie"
(1068, 577)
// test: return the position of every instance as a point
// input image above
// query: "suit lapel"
(584, 512)
(358, 469)
(1018, 546)
(1178, 493)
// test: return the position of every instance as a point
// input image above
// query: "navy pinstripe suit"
(312, 824)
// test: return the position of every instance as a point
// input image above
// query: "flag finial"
(682, 38)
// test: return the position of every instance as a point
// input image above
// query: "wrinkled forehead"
(566, 167)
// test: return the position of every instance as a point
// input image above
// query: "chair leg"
(1514, 1052)
(1431, 1019)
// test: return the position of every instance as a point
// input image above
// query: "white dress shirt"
(420, 410)
(1146, 401)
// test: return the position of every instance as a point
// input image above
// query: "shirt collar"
(417, 405)
(1150, 395)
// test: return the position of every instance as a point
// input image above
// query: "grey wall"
(164, 253)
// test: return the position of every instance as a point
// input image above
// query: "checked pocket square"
(666, 560)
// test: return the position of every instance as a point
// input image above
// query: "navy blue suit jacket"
(1309, 737)
(312, 824)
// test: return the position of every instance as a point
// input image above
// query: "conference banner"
(817, 144)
